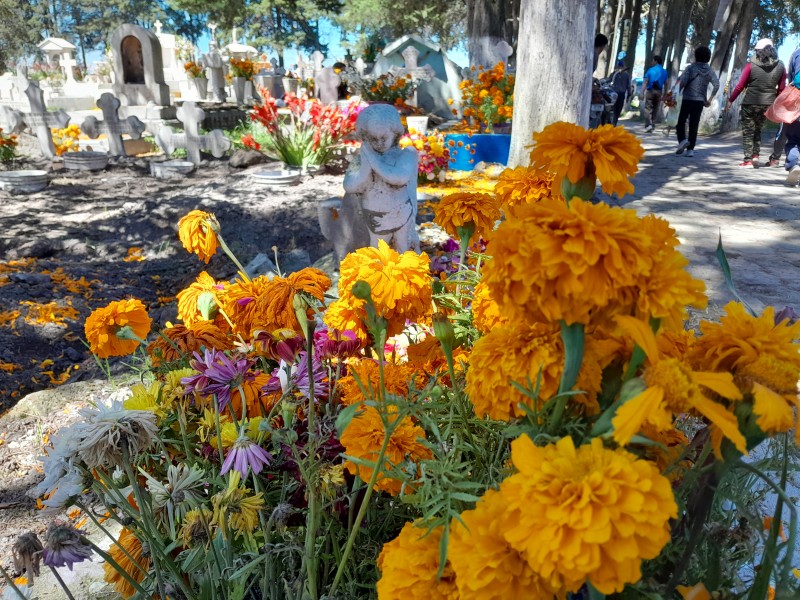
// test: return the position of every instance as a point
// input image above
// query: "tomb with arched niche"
(139, 70)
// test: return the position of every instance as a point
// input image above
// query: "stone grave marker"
(216, 67)
(112, 125)
(317, 58)
(38, 120)
(361, 66)
(191, 116)
(326, 86)
(412, 69)
(501, 52)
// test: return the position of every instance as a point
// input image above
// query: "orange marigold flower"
(567, 150)
(182, 341)
(562, 493)
(467, 209)
(363, 439)
(103, 325)
(188, 299)
(197, 232)
(523, 185)
(258, 403)
(485, 311)
(409, 567)
(400, 286)
(133, 549)
(397, 379)
(239, 302)
(347, 315)
(274, 308)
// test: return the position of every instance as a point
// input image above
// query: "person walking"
(762, 80)
(694, 84)
(655, 78)
(780, 136)
(621, 82)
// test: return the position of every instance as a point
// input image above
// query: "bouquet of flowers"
(489, 97)
(310, 134)
(66, 139)
(434, 155)
(8, 147)
(385, 88)
(242, 68)
(194, 70)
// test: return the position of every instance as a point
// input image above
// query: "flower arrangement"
(66, 139)
(8, 147)
(535, 424)
(388, 87)
(47, 72)
(434, 155)
(308, 137)
(194, 70)
(489, 96)
(242, 67)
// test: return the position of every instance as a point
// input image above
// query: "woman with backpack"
(693, 84)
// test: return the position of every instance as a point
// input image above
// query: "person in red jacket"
(762, 80)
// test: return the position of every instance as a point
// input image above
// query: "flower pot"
(23, 182)
(418, 124)
(238, 85)
(85, 161)
(290, 85)
(492, 148)
(201, 87)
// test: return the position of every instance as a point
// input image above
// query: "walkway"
(710, 194)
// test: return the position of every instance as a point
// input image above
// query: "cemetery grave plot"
(89, 239)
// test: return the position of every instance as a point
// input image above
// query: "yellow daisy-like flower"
(237, 508)
(673, 388)
(366, 372)
(197, 528)
(188, 310)
(197, 232)
(569, 151)
(363, 439)
(400, 285)
(467, 209)
(486, 566)
(103, 325)
(523, 185)
(136, 568)
(585, 514)
(486, 313)
(274, 307)
(409, 565)
(182, 341)
(554, 262)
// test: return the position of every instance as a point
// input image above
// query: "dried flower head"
(198, 233)
(27, 553)
(133, 559)
(197, 528)
(174, 498)
(181, 341)
(64, 546)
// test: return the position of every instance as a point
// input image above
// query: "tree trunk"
(681, 33)
(608, 11)
(556, 44)
(703, 22)
(613, 48)
(486, 23)
(740, 59)
(726, 35)
(633, 36)
(652, 14)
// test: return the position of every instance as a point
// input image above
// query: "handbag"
(786, 107)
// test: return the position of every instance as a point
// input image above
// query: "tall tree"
(21, 26)
(558, 86)
(486, 26)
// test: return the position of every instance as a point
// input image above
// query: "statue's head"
(379, 126)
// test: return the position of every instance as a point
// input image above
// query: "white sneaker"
(682, 146)
(689, 153)
(649, 129)
(793, 178)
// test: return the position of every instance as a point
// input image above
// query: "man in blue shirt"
(655, 78)
(780, 136)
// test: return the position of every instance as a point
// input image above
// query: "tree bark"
(608, 9)
(726, 35)
(486, 25)
(554, 66)
(652, 15)
(633, 36)
(613, 48)
(745, 30)
(703, 22)
(680, 37)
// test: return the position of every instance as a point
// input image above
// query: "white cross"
(39, 120)
(158, 25)
(233, 35)
(191, 116)
(112, 125)
(410, 56)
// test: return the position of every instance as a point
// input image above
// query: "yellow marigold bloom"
(186, 340)
(228, 434)
(363, 439)
(197, 232)
(347, 314)
(673, 388)
(485, 311)
(188, 310)
(396, 379)
(103, 324)
(486, 566)
(464, 208)
(173, 388)
(409, 565)
(236, 507)
(239, 302)
(554, 261)
(567, 150)
(585, 514)
(523, 185)
(400, 284)
(273, 307)
(133, 548)
(698, 591)
(331, 478)
(518, 353)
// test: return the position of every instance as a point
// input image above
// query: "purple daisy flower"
(278, 381)
(244, 455)
(64, 546)
(218, 374)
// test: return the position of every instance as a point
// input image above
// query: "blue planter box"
(491, 148)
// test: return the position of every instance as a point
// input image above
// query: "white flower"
(112, 435)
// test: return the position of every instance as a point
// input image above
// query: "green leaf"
(344, 418)
(573, 338)
(464, 497)
(726, 272)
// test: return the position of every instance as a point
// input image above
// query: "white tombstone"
(361, 66)
(502, 51)
(38, 120)
(112, 125)
(138, 67)
(59, 52)
(412, 69)
(191, 116)
(317, 58)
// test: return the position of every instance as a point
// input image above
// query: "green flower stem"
(61, 583)
(107, 557)
(230, 254)
(361, 513)
(11, 583)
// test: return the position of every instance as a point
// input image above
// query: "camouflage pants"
(752, 119)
